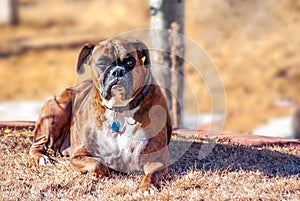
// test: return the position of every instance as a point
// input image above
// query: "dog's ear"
(84, 55)
(143, 52)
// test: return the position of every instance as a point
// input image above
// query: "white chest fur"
(120, 150)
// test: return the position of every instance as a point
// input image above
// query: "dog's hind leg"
(52, 126)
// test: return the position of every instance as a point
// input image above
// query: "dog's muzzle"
(117, 81)
(118, 72)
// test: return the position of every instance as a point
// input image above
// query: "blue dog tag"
(115, 126)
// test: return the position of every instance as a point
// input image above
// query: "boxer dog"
(115, 120)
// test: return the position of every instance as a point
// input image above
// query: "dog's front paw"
(147, 190)
(147, 187)
(100, 170)
(44, 160)
(90, 165)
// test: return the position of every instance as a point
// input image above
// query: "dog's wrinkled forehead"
(112, 50)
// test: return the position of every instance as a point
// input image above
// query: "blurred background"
(255, 45)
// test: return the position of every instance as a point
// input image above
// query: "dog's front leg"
(85, 163)
(154, 172)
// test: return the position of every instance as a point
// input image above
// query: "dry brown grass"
(229, 172)
(254, 44)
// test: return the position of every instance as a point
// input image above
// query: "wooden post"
(296, 123)
(9, 11)
(169, 15)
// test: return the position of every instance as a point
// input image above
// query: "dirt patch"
(229, 171)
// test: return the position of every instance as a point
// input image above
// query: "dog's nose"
(118, 72)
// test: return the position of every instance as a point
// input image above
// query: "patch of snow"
(283, 103)
(197, 121)
(20, 110)
(276, 127)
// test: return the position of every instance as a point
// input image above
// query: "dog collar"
(136, 101)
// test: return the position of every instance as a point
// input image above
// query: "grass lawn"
(228, 172)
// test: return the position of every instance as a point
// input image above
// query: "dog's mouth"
(118, 88)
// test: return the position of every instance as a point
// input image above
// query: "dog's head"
(119, 68)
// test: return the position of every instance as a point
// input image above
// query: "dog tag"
(115, 126)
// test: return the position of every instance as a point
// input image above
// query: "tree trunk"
(169, 15)
(8, 11)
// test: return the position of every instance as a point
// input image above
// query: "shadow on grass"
(237, 157)
(223, 157)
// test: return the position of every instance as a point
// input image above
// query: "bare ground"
(229, 172)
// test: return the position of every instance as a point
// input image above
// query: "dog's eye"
(129, 63)
(103, 62)
(102, 66)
